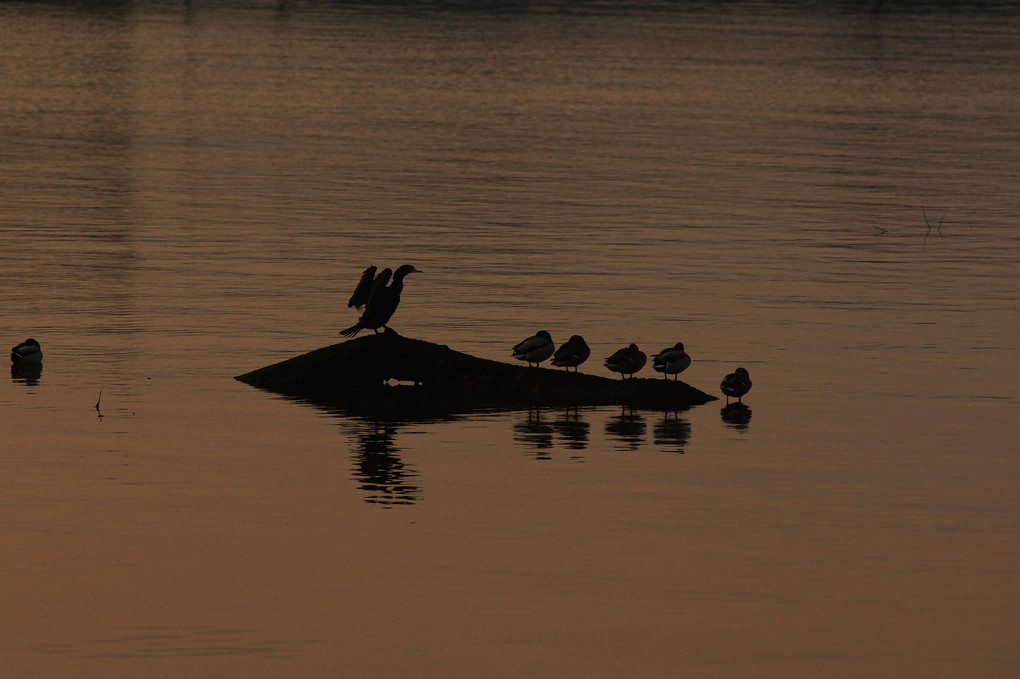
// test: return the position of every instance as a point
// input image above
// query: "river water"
(823, 193)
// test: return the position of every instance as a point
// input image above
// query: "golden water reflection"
(534, 432)
(627, 429)
(26, 373)
(672, 432)
(381, 474)
(736, 415)
(386, 479)
(181, 196)
(572, 429)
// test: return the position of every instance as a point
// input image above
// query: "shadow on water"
(534, 432)
(736, 415)
(377, 467)
(672, 432)
(627, 429)
(572, 429)
(376, 464)
(385, 479)
(26, 373)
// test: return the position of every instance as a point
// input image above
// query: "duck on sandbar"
(28, 351)
(627, 361)
(736, 384)
(535, 349)
(572, 353)
(382, 301)
(671, 361)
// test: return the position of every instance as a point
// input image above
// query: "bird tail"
(351, 331)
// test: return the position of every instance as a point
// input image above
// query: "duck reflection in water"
(572, 430)
(382, 475)
(737, 415)
(26, 373)
(672, 431)
(628, 428)
(534, 432)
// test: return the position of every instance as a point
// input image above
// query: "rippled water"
(825, 194)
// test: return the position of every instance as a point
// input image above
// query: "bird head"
(404, 270)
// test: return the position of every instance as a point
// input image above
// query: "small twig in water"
(97, 403)
(939, 227)
(880, 230)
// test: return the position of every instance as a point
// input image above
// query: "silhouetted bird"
(572, 353)
(382, 302)
(736, 384)
(627, 361)
(535, 349)
(378, 284)
(364, 289)
(26, 352)
(672, 361)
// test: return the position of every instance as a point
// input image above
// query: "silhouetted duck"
(736, 384)
(28, 351)
(627, 361)
(572, 353)
(671, 361)
(535, 349)
(382, 301)
(364, 289)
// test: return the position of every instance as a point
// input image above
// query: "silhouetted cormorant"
(535, 349)
(672, 361)
(364, 289)
(382, 302)
(627, 361)
(572, 353)
(736, 384)
(26, 352)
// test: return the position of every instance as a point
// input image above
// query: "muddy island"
(387, 372)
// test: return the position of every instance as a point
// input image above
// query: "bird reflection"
(534, 432)
(383, 476)
(672, 431)
(628, 428)
(572, 430)
(26, 373)
(737, 415)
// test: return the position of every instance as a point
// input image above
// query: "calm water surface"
(826, 196)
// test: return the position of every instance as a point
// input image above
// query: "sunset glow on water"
(825, 196)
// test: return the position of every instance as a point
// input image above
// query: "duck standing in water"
(572, 353)
(364, 289)
(382, 301)
(627, 361)
(535, 349)
(28, 351)
(736, 384)
(671, 361)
